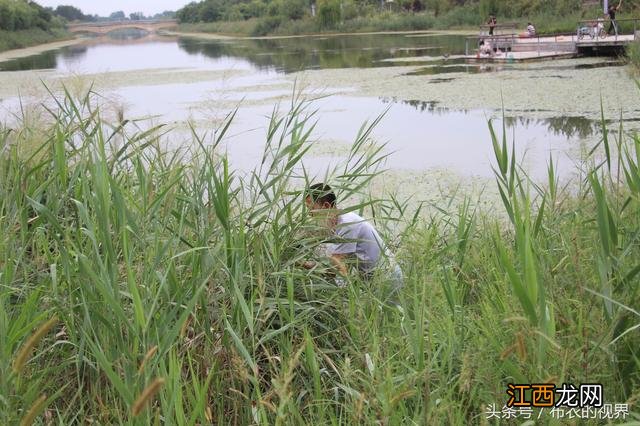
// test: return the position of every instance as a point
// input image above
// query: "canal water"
(433, 102)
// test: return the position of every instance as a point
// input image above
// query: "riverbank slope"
(10, 40)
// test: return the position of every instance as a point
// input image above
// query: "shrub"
(211, 11)
(235, 13)
(254, 9)
(31, 37)
(633, 55)
(293, 9)
(20, 15)
(266, 25)
(328, 13)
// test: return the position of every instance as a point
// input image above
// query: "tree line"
(17, 15)
(330, 12)
(24, 15)
(71, 13)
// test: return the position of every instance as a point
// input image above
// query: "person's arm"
(339, 264)
(345, 247)
(309, 264)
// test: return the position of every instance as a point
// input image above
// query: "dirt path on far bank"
(217, 36)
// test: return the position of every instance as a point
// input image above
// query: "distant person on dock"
(485, 48)
(492, 22)
(599, 29)
(531, 30)
(612, 16)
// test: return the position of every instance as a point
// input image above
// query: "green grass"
(222, 27)
(26, 38)
(308, 25)
(633, 56)
(142, 285)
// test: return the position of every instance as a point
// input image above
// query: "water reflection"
(44, 60)
(128, 34)
(421, 106)
(568, 126)
(92, 51)
(459, 67)
(422, 134)
(295, 54)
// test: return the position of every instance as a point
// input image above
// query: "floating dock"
(519, 47)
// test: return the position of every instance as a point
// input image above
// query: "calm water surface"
(421, 135)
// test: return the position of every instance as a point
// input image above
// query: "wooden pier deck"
(521, 57)
(509, 48)
(612, 40)
(518, 47)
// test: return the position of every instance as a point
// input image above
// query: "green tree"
(210, 11)
(328, 13)
(70, 13)
(6, 17)
(167, 14)
(22, 15)
(119, 15)
(190, 13)
(293, 9)
(255, 8)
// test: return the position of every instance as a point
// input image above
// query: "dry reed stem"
(146, 395)
(150, 353)
(34, 411)
(25, 350)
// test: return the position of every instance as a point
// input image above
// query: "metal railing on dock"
(590, 34)
(525, 43)
(508, 26)
(502, 42)
(598, 30)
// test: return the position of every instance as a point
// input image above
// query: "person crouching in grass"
(354, 241)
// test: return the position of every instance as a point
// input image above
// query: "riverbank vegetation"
(633, 56)
(24, 24)
(289, 17)
(141, 284)
(32, 37)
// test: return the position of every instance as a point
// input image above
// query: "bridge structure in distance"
(101, 28)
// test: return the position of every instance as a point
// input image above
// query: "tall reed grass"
(179, 297)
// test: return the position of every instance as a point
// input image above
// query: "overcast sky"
(104, 8)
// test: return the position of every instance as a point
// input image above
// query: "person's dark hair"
(322, 193)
